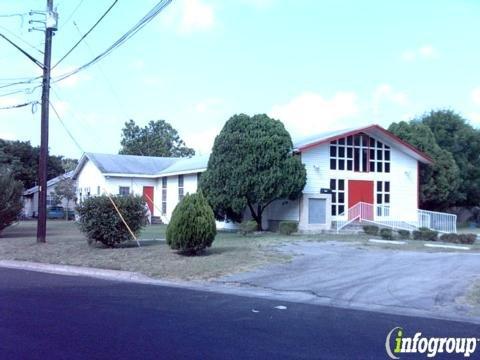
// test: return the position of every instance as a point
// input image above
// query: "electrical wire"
(86, 34)
(18, 105)
(130, 33)
(69, 17)
(38, 63)
(21, 39)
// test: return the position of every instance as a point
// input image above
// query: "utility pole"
(50, 26)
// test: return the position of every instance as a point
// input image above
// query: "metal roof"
(50, 182)
(198, 162)
(299, 143)
(130, 164)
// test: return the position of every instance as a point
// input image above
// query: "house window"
(180, 188)
(124, 190)
(164, 195)
(360, 153)
(337, 186)
(383, 198)
(98, 190)
(199, 175)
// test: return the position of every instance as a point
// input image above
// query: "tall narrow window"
(383, 198)
(337, 186)
(164, 195)
(180, 188)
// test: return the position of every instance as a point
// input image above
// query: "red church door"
(361, 191)
(148, 196)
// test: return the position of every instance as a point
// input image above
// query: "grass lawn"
(66, 245)
(229, 254)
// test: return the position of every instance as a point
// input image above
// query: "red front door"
(148, 196)
(361, 191)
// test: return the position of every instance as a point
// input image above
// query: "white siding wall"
(403, 179)
(90, 178)
(189, 187)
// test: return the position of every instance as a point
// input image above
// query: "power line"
(38, 63)
(130, 33)
(18, 105)
(21, 39)
(104, 75)
(86, 34)
(73, 13)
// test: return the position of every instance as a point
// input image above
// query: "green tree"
(21, 159)
(158, 138)
(251, 165)
(65, 189)
(10, 199)
(453, 134)
(69, 164)
(439, 182)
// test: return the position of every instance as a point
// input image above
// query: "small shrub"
(425, 234)
(248, 227)
(10, 200)
(467, 238)
(370, 230)
(386, 234)
(403, 234)
(287, 227)
(101, 223)
(192, 227)
(451, 238)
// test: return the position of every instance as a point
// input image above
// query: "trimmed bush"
(287, 227)
(101, 223)
(425, 234)
(248, 227)
(386, 234)
(192, 226)
(403, 234)
(10, 200)
(467, 238)
(371, 230)
(451, 238)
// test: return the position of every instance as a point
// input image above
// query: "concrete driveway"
(352, 275)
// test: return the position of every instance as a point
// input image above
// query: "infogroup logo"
(429, 346)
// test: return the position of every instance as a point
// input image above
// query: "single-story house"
(365, 173)
(30, 197)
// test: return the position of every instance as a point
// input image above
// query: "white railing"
(442, 222)
(381, 215)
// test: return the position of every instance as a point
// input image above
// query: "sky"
(314, 65)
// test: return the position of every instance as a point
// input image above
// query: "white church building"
(365, 174)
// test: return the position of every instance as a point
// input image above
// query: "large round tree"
(251, 165)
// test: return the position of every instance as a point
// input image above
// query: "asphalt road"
(45, 316)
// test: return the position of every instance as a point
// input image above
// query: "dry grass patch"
(66, 245)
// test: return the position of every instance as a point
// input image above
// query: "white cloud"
(312, 112)
(426, 52)
(71, 81)
(385, 93)
(189, 16)
(11, 100)
(201, 141)
(476, 95)
(207, 105)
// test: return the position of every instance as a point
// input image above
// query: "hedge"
(287, 227)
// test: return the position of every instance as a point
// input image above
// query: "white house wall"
(90, 179)
(402, 177)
